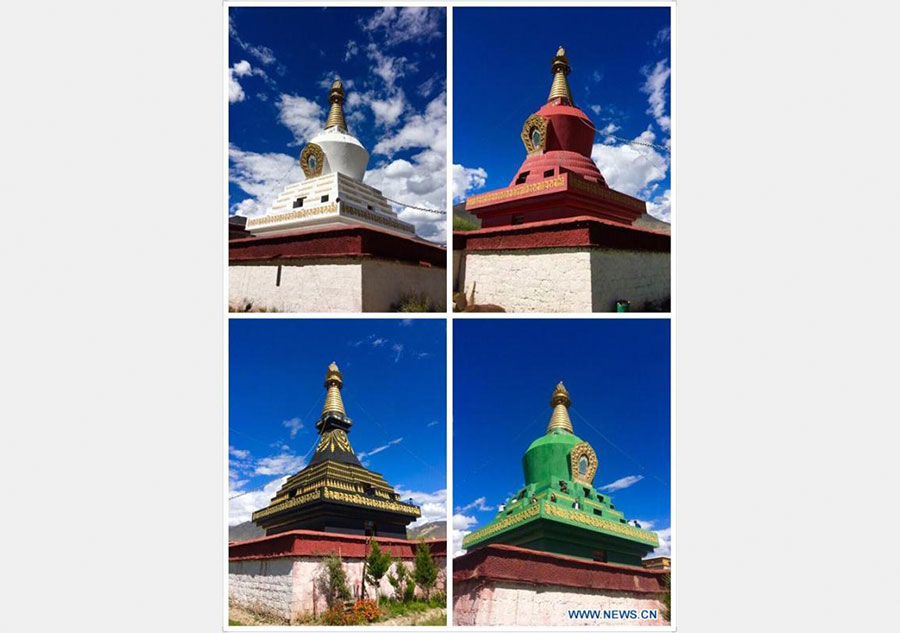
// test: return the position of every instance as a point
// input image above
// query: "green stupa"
(559, 510)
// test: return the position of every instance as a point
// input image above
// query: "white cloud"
(398, 348)
(300, 115)
(294, 424)
(479, 504)
(665, 538)
(655, 88)
(378, 449)
(261, 176)
(235, 92)
(596, 109)
(631, 168)
(433, 504)
(281, 464)
(612, 128)
(427, 129)
(660, 207)
(240, 454)
(467, 179)
(241, 508)
(460, 528)
(263, 53)
(387, 111)
(405, 24)
(352, 49)
(621, 484)
(388, 67)
(432, 423)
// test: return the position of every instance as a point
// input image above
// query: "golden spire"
(560, 402)
(334, 380)
(336, 113)
(560, 68)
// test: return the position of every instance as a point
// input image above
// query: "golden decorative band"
(515, 192)
(293, 215)
(603, 524)
(372, 503)
(502, 524)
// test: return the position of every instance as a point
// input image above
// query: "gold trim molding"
(532, 123)
(315, 152)
(583, 450)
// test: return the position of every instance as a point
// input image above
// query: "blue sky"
(618, 375)
(620, 60)
(394, 391)
(393, 65)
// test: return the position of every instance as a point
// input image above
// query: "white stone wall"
(637, 276)
(286, 587)
(566, 279)
(387, 282)
(539, 280)
(316, 285)
(505, 603)
(335, 285)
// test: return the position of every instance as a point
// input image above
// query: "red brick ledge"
(353, 241)
(531, 567)
(313, 543)
(581, 231)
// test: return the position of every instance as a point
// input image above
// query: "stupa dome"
(341, 152)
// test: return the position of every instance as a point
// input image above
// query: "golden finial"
(334, 381)
(336, 113)
(560, 68)
(560, 402)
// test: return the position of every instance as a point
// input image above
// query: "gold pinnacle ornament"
(334, 380)
(560, 402)
(336, 113)
(560, 68)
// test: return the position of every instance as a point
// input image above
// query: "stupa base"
(275, 575)
(580, 264)
(346, 269)
(513, 586)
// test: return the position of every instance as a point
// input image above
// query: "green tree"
(377, 565)
(402, 582)
(425, 572)
(332, 581)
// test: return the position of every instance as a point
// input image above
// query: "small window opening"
(325, 198)
(548, 173)
(518, 219)
(522, 177)
(278, 276)
(298, 202)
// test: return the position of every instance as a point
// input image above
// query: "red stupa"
(558, 178)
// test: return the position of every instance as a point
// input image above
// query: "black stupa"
(335, 493)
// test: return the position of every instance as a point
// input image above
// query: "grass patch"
(437, 620)
(414, 303)
(465, 224)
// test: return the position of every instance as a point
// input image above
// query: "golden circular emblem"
(583, 463)
(534, 133)
(312, 160)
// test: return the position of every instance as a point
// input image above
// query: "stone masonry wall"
(492, 603)
(575, 279)
(388, 282)
(637, 276)
(285, 587)
(545, 280)
(316, 285)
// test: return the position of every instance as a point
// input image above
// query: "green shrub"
(377, 565)
(332, 581)
(461, 223)
(425, 571)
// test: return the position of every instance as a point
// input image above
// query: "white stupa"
(333, 193)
